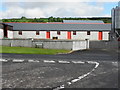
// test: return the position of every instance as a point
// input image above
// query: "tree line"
(55, 19)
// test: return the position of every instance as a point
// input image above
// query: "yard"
(27, 50)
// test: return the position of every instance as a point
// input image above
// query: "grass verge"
(27, 50)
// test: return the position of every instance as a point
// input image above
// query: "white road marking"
(92, 62)
(18, 60)
(63, 61)
(49, 61)
(60, 87)
(78, 62)
(115, 62)
(69, 83)
(3, 60)
(33, 60)
(80, 77)
(74, 80)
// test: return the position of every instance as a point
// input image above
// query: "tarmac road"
(72, 70)
(94, 55)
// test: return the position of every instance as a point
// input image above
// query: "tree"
(51, 19)
(23, 17)
(59, 19)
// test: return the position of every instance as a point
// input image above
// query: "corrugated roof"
(83, 21)
(45, 26)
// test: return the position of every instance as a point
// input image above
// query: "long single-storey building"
(74, 31)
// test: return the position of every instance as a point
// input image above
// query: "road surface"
(80, 69)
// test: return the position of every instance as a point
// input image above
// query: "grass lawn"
(27, 50)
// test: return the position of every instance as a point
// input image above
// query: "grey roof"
(83, 21)
(39, 26)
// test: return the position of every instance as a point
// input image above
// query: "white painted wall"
(93, 35)
(82, 35)
(10, 34)
(79, 35)
(1, 33)
(30, 34)
(63, 34)
(79, 45)
(105, 35)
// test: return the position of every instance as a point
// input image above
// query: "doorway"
(48, 35)
(5, 31)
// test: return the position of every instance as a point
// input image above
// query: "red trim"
(100, 35)
(48, 35)
(69, 34)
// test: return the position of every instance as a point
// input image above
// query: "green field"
(27, 50)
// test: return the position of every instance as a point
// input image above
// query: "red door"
(69, 35)
(100, 35)
(48, 35)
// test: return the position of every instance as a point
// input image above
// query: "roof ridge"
(55, 23)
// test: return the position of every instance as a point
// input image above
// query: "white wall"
(1, 33)
(10, 34)
(30, 34)
(106, 35)
(82, 35)
(63, 34)
(93, 35)
(79, 45)
(79, 35)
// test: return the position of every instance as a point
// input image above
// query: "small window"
(74, 32)
(58, 32)
(88, 32)
(55, 37)
(20, 32)
(37, 33)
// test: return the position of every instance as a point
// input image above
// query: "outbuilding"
(74, 31)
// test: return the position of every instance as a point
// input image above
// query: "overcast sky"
(56, 8)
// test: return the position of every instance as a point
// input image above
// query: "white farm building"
(74, 31)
